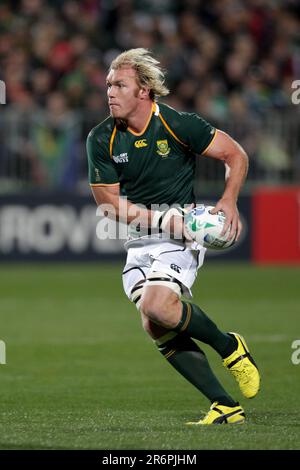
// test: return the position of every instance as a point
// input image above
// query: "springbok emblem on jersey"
(163, 148)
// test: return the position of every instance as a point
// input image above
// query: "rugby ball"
(206, 228)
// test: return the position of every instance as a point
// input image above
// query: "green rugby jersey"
(156, 166)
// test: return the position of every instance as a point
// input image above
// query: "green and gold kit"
(156, 166)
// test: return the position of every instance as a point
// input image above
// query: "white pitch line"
(269, 338)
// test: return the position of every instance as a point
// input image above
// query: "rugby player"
(146, 151)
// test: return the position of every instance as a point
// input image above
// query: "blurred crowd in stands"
(232, 61)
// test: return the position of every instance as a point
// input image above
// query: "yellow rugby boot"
(221, 414)
(243, 368)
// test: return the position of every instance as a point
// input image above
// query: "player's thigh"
(160, 303)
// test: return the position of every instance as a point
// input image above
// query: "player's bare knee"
(161, 313)
(146, 322)
(153, 330)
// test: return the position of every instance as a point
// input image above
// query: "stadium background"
(77, 359)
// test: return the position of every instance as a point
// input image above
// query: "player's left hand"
(232, 218)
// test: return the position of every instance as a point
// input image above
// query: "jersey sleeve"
(195, 131)
(100, 166)
(190, 129)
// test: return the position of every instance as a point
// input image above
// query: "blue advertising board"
(63, 227)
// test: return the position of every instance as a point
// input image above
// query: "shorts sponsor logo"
(175, 268)
(140, 143)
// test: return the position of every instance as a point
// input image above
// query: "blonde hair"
(147, 68)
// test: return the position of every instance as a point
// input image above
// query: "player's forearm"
(236, 171)
(226, 149)
(122, 210)
(129, 212)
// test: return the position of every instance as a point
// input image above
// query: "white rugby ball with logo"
(206, 228)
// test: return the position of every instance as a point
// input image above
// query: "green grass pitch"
(82, 374)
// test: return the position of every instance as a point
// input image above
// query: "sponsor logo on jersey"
(140, 143)
(163, 148)
(122, 158)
